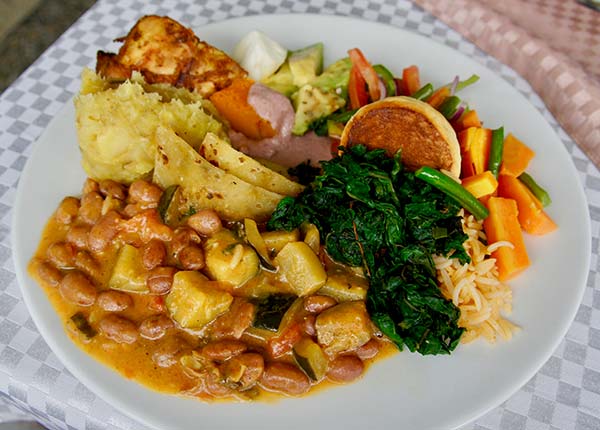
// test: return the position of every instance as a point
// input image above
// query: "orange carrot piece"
(503, 225)
(468, 119)
(411, 81)
(232, 103)
(516, 156)
(532, 217)
(438, 97)
(475, 143)
(480, 185)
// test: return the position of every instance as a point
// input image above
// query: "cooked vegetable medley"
(249, 232)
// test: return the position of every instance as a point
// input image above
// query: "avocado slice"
(282, 80)
(306, 64)
(335, 77)
(312, 103)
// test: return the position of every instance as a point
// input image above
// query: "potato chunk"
(194, 301)
(228, 259)
(343, 327)
(129, 274)
(301, 268)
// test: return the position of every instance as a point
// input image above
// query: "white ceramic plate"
(408, 390)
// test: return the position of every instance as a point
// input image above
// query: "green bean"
(452, 188)
(496, 151)
(424, 92)
(540, 193)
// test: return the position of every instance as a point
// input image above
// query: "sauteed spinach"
(376, 215)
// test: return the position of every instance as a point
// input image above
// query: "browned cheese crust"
(393, 128)
(164, 51)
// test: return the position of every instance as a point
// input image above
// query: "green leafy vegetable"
(304, 173)
(373, 214)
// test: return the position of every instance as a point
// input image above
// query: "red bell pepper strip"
(356, 89)
(368, 73)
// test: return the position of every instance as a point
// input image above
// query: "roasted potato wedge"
(207, 186)
(221, 154)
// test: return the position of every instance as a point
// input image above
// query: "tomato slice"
(356, 89)
(411, 80)
(368, 73)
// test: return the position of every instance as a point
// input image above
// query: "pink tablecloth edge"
(570, 93)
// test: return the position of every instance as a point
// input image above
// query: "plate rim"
(466, 417)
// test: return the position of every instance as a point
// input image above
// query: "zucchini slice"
(311, 358)
(271, 309)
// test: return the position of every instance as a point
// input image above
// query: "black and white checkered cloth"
(564, 394)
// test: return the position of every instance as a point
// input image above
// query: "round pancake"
(423, 135)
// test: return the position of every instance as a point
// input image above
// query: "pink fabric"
(554, 44)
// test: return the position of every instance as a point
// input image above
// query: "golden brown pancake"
(423, 135)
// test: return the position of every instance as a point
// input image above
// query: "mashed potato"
(116, 124)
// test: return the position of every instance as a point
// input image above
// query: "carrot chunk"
(438, 97)
(475, 144)
(480, 185)
(532, 217)
(232, 103)
(516, 156)
(468, 119)
(503, 225)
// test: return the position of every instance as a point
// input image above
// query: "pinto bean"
(205, 222)
(368, 350)
(144, 192)
(308, 325)
(166, 354)
(345, 368)
(284, 378)
(90, 185)
(118, 329)
(67, 210)
(317, 304)
(235, 321)
(78, 236)
(88, 265)
(102, 234)
(61, 254)
(90, 209)
(114, 301)
(222, 350)
(153, 254)
(49, 274)
(182, 237)
(191, 258)
(155, 326)
(76, 288)
(108, 187)
(147, 225)
(160, 279)
(245, 369)
(133, 209)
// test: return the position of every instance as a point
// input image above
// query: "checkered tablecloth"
(564, 394)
